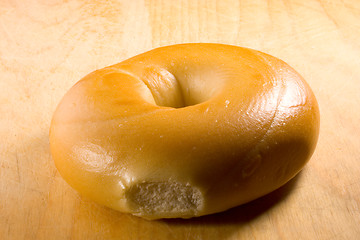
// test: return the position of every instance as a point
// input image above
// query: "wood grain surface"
(46, 46)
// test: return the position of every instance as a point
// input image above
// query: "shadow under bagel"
(243, 214)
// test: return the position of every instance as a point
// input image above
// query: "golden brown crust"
(216, 125)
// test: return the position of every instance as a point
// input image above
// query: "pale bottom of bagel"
(167, 199)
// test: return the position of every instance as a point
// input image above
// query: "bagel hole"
(164, 199)
(179, 89)
(164, 87)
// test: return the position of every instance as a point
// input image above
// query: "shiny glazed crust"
(185, 130)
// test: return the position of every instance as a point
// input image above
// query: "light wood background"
(46, 46)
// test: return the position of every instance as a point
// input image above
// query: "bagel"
(185, 130)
